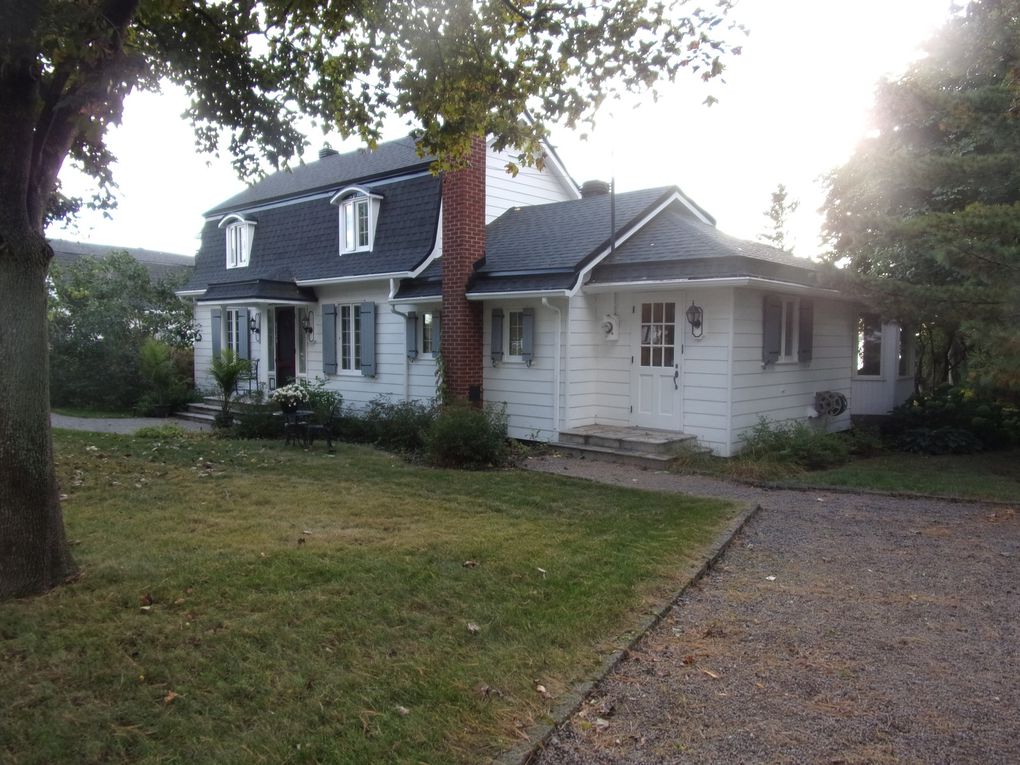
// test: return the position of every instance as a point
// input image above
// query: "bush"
(946, 440)
(796, 443)
(259, 421)
(960, 409)
(465, 437)
(401, 426)
(165, 389)
(161, 432)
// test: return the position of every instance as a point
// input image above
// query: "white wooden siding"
(203, 349)
(783, 392)
(529, 187)
(880, 394)
(527, 392)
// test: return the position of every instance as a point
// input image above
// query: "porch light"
(696, 317)
(308, 324)
(255, 325)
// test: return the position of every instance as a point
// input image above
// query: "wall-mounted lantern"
(696, 318)
(255, 325)
(308, 324)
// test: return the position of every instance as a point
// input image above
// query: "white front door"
(655, 379)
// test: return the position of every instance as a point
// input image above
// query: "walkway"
(126, 425)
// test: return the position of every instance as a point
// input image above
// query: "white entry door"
(655, 379)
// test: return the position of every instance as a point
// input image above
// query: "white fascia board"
(437, 247)
(516, 295)
(352, 190)
(235, 218)
(420, 300)
(189, 293)
(730, 281)
(350, 279)
(674, 197)
(255, 301)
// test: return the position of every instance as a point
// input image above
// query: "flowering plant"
(290, 396)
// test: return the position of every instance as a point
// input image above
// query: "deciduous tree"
(777, 231)
(454, 68)
(925, 216)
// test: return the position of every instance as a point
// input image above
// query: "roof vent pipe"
(594, 189)
(327, 151)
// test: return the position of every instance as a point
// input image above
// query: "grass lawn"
(992, 475)
(250, 603)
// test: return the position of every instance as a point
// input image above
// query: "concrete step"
(623, 439)
(193, 416)
(637, 459)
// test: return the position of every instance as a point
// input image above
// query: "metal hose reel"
(830, 403)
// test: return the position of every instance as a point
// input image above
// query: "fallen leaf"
(601, 724)
(688, 659)
(541, 571)
(470, 564)
(771, 578)
(402, 710)
(170, 697)
(147, 600)
(473, 628)
(711, 674)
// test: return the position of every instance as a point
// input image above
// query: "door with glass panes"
(655, 376)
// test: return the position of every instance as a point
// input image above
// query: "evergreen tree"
(777, 231)
(925, 216)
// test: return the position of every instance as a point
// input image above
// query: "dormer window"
(240, 233)
(359, 213)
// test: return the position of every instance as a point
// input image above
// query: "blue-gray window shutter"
(217, 331)
(436, 332)
(412, 335)
(368, 339)
(496, 346)
(243, 345)
(772, 329)
(806, 332)
(528, 341)
(329, 339)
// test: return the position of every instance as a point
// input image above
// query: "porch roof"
(258, 290)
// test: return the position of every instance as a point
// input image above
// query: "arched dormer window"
(359, 214)
(240, 233)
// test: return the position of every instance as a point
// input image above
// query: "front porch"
(641, 447)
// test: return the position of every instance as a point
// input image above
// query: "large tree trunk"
(34, 554)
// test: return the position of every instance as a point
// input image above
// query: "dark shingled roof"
(331, 172)
(259, 289)
(301, 241)
(675, 245)
(158, 264)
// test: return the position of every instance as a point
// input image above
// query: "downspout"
(556, 369)
(407, 361)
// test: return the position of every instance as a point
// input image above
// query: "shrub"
(259, 420)
(796, 443)
(993, 426)
(401, 426)
(165, 388)
(946, 440)
(465, 437)
(863, 441)
(161, 432)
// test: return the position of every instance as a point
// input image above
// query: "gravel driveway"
(838, 628)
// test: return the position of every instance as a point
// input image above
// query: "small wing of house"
(158, 264)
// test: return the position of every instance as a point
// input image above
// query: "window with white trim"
(349, 337)
(428, 321)
(789, 338)
(239, 240)
(869, 345)
(515, 335)
(359, 213)
(234, 327)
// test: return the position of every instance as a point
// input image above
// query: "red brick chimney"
(463, 246)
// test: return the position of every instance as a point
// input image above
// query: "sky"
(791, 109)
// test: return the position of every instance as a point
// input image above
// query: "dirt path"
(838, 628)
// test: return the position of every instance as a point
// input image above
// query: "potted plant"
(291, 397)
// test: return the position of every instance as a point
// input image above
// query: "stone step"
(194, 416)
(637, 459)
